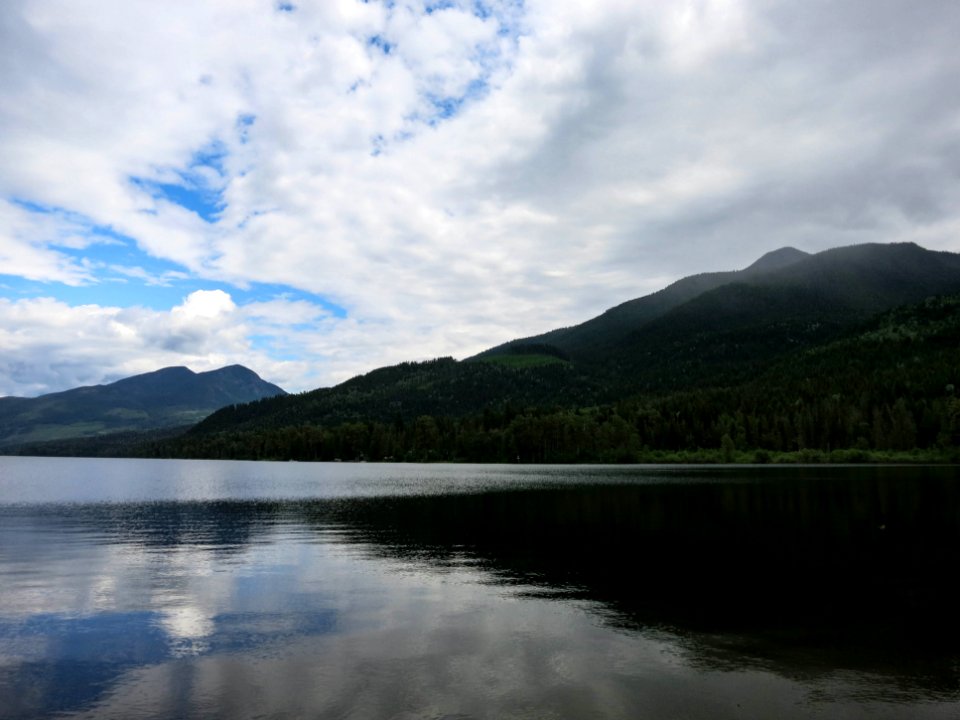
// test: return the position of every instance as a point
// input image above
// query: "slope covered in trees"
(797, 354)
(170, 397)
(890, 386)
(848, 354)
(838, 286)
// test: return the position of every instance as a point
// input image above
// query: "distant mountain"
(173, 396)
(710, 330)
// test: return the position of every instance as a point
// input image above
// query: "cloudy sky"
(315, 188)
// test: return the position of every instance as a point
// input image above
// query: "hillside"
(170, 397)
(783, 297)
(885, 390)
(602, 333)
(761, 359)
(707, 330)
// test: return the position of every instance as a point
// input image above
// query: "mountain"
(709, 330)
(599, 334)
(851, 350)
(786, 286)
(173, 396)
(884, 390)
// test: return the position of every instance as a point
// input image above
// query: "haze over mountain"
(170, 397)
(838, 286)
(627, 317)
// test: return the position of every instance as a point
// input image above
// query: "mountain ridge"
(714, 329)
(883, 390)
(167, 397)
(703, 360)
(850, 275)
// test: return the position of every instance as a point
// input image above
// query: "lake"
(205, 589)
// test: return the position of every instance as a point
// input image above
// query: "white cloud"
(50, 345)
(207, 304)
(591, 151)
(30, 242)
(164, 279)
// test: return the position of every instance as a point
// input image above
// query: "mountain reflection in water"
(723, 596)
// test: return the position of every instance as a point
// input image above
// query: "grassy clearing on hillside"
(45, 433)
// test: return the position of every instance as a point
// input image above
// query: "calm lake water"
(201, 589)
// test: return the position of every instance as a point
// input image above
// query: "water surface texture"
(201, 589)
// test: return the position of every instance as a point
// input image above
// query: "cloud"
(32, 243)
(50, 345)
(456, 177)
(163, 279)
(206, 304)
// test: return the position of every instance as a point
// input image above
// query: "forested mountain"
(173, 396)
(884, 390)
(785, 292)
(702, 331)
(853, 350)
(587, 340)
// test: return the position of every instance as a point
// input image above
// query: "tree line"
(891, 388)
(708, 425)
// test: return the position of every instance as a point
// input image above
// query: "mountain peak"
(778, 259)
(173, 370)
(234, 370)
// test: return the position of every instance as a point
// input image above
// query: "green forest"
(849, 355)
(886, 391)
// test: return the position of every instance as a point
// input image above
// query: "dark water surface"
(200, 589)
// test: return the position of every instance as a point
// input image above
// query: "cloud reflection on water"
(604, 600)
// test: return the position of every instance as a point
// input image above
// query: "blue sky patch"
(199, 189)
(117, 289)
(205, 203)
(79, 224)
(378, 41)
(447, 107)
(481, 9)
(262, 292)
(126, 276)
(431, 8)
(123, 275)
(243, 125)
(34, 207)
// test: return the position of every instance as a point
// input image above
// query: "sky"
(317, 189)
